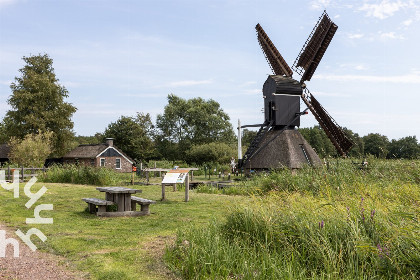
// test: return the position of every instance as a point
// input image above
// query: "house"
(105, 155)
(4, 153)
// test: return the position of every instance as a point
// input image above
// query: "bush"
(86, 175)
(212, 152)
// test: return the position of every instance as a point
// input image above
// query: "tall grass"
(340, 175)
(341, 223)
(86, 175)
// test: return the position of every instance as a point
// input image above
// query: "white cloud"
(320, 4)
(412, 78)
(6, 2)
(334, 94)
(354, 66)
(189, 83)
(407, 22)
(382, 10)
(355, 35)
(390, 35)
(360, 67)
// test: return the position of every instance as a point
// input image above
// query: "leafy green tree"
(248, 136)
(3, 135)
(211, 152)
(376, 145)
(38, 104)
(191, 122)
(319, 141)
(83, 140)
(133, 135)
(407, 147)
(32, 151)
(358, 148)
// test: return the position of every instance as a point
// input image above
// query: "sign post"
(173, 177)
(133, 171)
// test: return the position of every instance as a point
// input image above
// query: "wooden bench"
(144, 204)
(93, 202)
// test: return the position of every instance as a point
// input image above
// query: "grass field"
(112, 248)
(315, 224)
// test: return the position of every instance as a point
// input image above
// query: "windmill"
(278, 142)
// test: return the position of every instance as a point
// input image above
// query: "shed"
(4, 153)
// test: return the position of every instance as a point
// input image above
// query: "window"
(102, 162)
(118, 163)
(92, 162)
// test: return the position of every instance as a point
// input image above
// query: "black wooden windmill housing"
(278, 143)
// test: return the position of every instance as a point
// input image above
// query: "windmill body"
(278, 143)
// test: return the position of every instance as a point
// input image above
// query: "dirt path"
(34, 265)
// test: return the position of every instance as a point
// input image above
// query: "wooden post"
(187, 189)
(154, 173)
(192, 175)
(174, 187)
(8, 172)
(132, 178)
(147, 177)
(163, 192)
(23, 174)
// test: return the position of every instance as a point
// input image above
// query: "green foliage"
(3, 135)
(248, 136)
(319, 141)
(211, 152)
(406, 147)
(37, 103)
(32, 151)
(133, 135)
(191, 122)
(376, 144)
(345, 228)
(86, 175)
(83, 140)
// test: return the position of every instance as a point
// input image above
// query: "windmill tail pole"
(239, 143)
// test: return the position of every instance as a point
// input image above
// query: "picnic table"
(122, 197)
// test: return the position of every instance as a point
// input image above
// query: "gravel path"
(34, 265)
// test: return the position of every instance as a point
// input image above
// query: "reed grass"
(335, 223)
(84, 175)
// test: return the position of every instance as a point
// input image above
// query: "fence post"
(8, 172)
(187, 189)
(23, 174)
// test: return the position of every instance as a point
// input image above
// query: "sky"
(117, 58)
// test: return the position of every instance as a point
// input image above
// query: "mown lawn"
(113, 248)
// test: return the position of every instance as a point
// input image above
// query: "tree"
(319, 141)
(211, 152)
(376, 144)
(37, 103)
(3, 136)
(191, 122)
(133, 135)
(248, 136)
(358, 148)
(406, 147)
(32, 151)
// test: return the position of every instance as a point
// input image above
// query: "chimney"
(109, 141)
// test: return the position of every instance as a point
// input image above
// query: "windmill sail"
(314, 48)
(328, 124)
(273, 56)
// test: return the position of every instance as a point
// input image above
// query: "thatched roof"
(284, 151)
(86, 151)
(4, 151)
(92, 151)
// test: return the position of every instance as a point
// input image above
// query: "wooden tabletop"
(118, 190)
